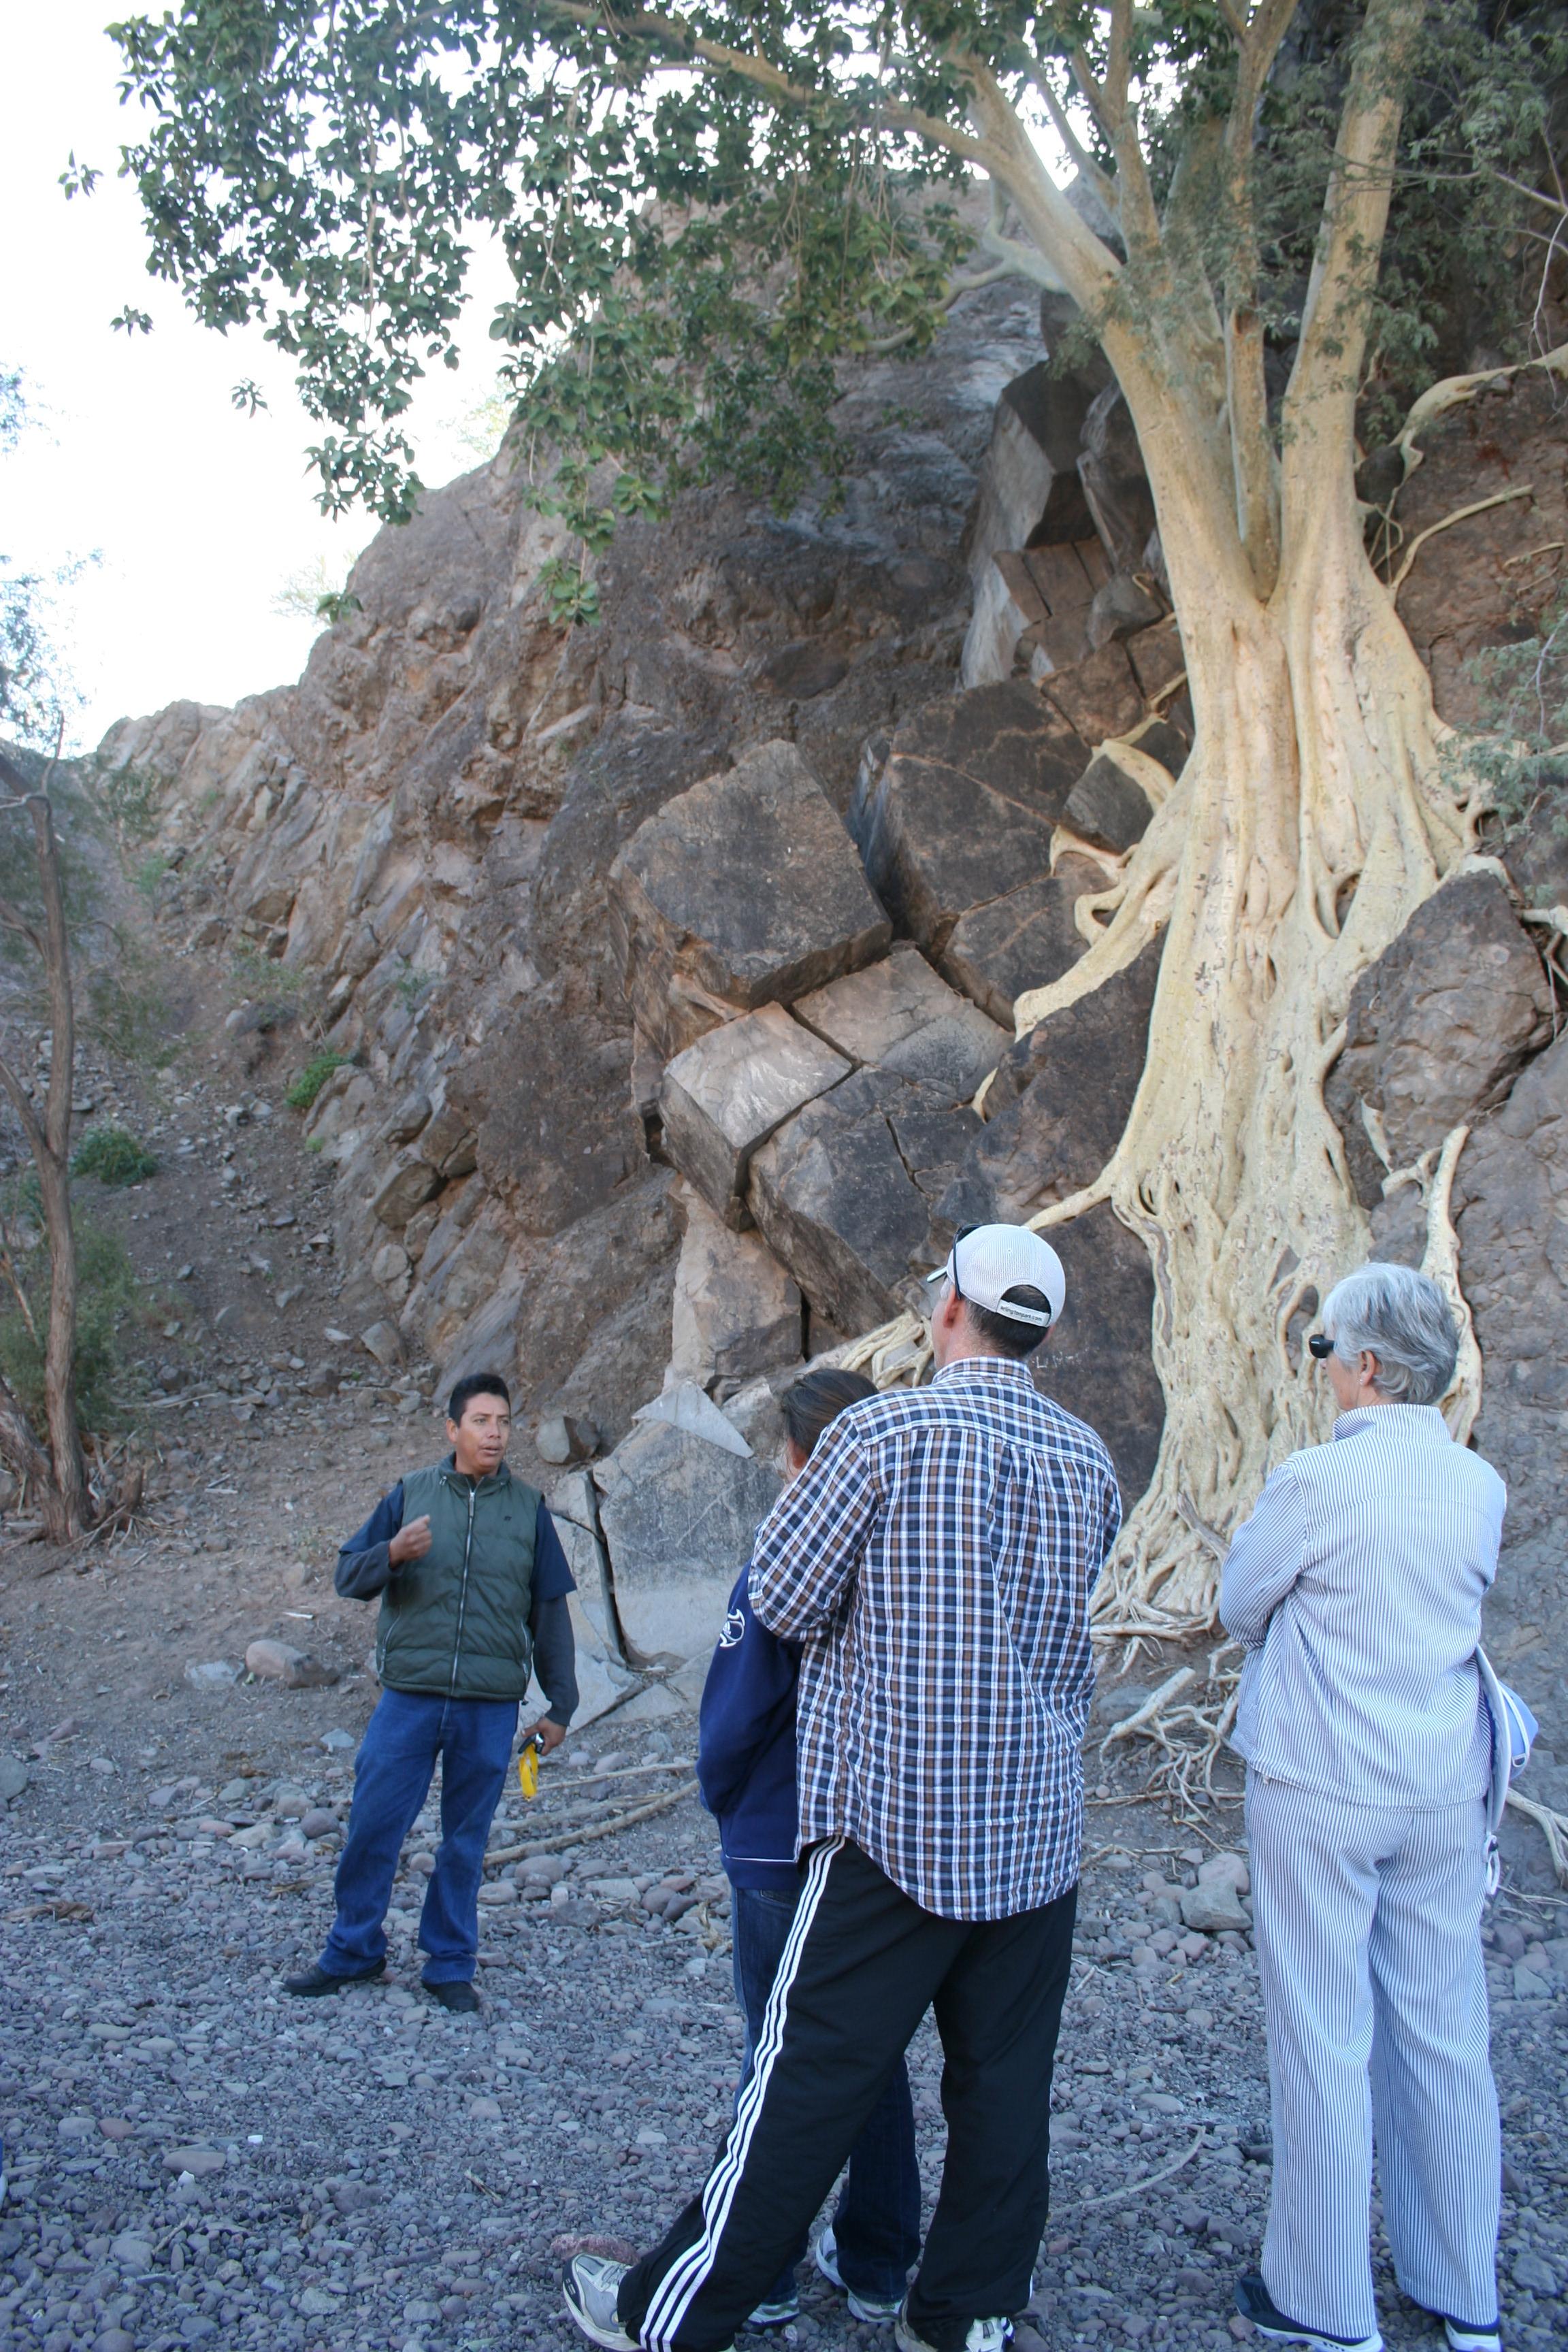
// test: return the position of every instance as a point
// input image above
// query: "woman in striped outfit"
(1356, 1589)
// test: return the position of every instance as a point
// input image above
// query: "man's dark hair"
(818, 1398)
(477, 1384)
(1017, 1340)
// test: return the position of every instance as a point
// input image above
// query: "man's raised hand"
(410, 1542)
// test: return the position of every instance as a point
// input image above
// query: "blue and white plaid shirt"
(936, 1559)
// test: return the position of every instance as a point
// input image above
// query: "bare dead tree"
(55, 1471)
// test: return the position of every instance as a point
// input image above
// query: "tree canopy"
(704, 210)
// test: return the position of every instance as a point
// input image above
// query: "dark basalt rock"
(845, 1194)
(1059, 1101)
(691, 922)
(1438, 1026)
(1022, 940)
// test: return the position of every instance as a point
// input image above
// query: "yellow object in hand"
(528, 1767)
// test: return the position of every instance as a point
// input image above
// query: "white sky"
(201, 516)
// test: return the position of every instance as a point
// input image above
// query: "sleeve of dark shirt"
(364, 1567)
(550, 1621)
(748, 1699)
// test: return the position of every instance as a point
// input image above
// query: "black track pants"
(862, 1965)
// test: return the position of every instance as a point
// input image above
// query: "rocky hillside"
(666, 955)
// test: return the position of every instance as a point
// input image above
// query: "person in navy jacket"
(746, 1769)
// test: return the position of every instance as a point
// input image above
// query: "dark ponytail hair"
(818, 1398)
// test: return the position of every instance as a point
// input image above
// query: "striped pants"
(1368, 1930)
(862, 1965)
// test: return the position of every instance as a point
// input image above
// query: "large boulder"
(1438, 1027)
(1060, 1102)
(744, 891)
(1098, 1360)
(1100, 696)
(963, 809)
(725, 1094)
(1511, 1214)
(678, 1516)
(1022, 940)
(846, 1194)
(736, 1313)
(897, 1015)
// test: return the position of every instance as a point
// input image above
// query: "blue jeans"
(876, 2225)
(392, 1770)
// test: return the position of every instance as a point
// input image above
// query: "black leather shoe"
(315, 1980)
(460, 1998)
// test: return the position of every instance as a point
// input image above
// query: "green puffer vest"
(456, 1623)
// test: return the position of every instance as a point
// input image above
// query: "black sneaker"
(1254, 2301)
(460, 1998)
(312, 1982)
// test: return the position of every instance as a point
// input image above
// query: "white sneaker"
(876, 2311)
(591, 2283)
(984, 2335)
(1472, 2339)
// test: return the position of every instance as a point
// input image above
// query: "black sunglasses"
(1321, 1345)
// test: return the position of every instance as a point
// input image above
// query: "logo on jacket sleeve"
(734, 1629)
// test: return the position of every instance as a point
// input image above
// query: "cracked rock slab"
(1060, 1102)
(678, 1515)
(1022, 940)
(900, 1015)
(846, 1194)
(961, 809)
(698, 935)
(725, 1094)
(736, 1312)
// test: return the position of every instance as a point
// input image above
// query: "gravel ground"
(194, 2156)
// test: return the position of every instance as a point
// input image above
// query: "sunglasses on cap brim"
(951, 1270)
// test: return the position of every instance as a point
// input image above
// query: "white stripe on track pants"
(1368, 1930)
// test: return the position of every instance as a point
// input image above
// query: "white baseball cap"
(986, 1260)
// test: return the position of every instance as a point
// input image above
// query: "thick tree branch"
(1253, 462)
(1355, 213)
(1104, 186)
(1084, 267)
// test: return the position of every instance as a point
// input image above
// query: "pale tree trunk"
(58, 1479)
(1308, 824)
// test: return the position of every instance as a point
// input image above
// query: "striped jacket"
(1356, 1586)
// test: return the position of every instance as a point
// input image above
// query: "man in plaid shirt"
(935, 1559)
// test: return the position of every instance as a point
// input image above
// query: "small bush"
(313, 1078)
(114, 1155)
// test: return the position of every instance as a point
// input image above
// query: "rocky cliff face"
(667, 955)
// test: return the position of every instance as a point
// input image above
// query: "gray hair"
(1404, 1320)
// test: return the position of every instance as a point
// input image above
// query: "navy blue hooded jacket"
(745, 1747)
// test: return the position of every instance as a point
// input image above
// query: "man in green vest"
(473, 1585)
